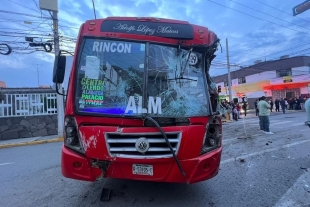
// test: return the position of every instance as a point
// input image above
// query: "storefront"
(288, 89)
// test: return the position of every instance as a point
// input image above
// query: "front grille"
(123, 144)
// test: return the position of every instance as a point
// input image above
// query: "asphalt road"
(256, 170)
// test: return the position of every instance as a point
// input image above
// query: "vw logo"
(142, 145)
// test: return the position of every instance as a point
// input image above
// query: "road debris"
(241, 160)
(105, 194)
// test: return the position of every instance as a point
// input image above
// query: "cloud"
(250, 38)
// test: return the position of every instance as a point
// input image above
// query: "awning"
(289, 85)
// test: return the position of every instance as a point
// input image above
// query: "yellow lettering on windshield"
(93, 91)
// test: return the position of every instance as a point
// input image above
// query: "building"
(283, 78)
(2, 84)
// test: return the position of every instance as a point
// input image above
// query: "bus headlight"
(71, 138)
(213, 135)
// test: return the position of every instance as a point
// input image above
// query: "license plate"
(138, 169)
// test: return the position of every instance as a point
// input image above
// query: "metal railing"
(35, 104)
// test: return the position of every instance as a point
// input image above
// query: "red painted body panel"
(165, 170)
(192, 138)
(197, 168)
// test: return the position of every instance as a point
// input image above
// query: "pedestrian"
(232, 105)
(260, 121)
(255, 106)
(271, 105)
(228, 112)
(283, 104)
(277, 103)
(238, 110)
(307, 107)
(264, 112)
(244, 107)
(298, 104)
(290, 104)
(235, 113)
(302, 103)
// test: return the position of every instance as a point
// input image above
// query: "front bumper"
(204, 167)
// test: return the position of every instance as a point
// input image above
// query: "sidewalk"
(29, 141)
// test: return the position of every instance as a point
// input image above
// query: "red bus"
(140, 103)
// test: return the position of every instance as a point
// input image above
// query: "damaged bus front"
(140, 103)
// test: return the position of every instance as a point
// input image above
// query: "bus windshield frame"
(127, 78)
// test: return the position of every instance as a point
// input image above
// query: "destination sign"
(159, 29)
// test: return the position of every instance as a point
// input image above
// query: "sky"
(256, 30)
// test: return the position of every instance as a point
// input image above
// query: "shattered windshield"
(176, 77)
(114, 79)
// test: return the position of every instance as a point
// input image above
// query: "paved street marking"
(263, 151)
(272, 123)
(296, 194)
(8, 163)
(255, 121)
(291, 125)
(281, 122)
(298, 124)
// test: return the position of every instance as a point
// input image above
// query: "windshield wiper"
(181, 78)
(167, 141)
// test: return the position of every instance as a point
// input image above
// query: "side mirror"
(59, 68)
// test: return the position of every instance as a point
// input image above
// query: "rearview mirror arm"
(57, 91)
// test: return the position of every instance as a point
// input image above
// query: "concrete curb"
(59, 139)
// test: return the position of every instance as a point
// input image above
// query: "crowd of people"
(263, 107)
(232, 110)
(284, 104)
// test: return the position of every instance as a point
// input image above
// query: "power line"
(37, 5)
(276, 52)
(282, 11)
(268, 14)
(21, 29)
(22, 33)
(23, 6)
(30, 28)
(20, 20)
(68, 27)
(29, 15)
(33, 29)
(256, 17)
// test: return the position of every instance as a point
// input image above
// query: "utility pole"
(38, 73)
(52, 6)
(228, 74)
(60, 100)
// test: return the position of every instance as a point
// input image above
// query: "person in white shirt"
(264, 112)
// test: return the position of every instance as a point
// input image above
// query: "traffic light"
(219, 89)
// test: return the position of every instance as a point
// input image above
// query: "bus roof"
(152, 29)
